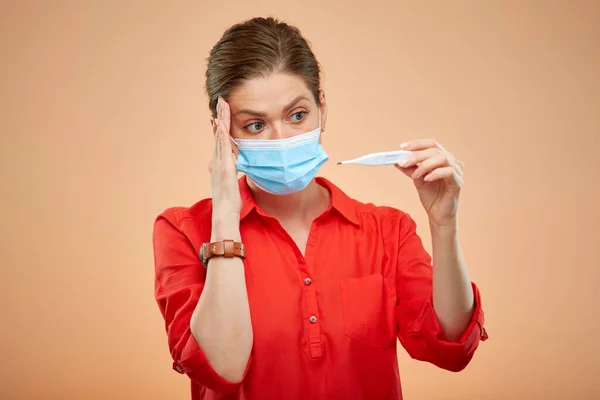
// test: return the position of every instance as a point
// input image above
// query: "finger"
(225, 116)
(437, 161)
(447, 174)
(217, 150)
(417, 157)
(218, 144)
(421, 144)
(408, 171)
(211, 164)
(216, 119)
(458, 165)
(225, 141)
(219, 108)
(220, 132)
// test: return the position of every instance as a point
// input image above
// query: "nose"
(279, 131)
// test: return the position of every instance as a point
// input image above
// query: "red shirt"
(324, 324)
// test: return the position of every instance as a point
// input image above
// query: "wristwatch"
(224, 248)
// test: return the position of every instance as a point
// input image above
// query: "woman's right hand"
(227, 202)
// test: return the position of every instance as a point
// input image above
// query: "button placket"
(313, 318)
(314, 326)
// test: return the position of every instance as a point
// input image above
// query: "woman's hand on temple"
(227, 202)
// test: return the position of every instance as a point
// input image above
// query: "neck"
(304, 205)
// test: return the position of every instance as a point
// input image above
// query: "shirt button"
(313, 320)
(179, 369)
(307, 281)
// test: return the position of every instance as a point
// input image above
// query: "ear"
(323, 102)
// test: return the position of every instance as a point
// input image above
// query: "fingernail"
(404, 145)
(403, 163)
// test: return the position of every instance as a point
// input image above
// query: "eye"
(300, 116)
(256, 125)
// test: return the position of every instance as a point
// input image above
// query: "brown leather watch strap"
(224, 248)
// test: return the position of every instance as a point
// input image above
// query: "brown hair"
(257, 48)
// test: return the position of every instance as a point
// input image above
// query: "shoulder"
(364, 212)
(376, 219)
(178, 234)
(378, 211)
(382, 213)
(194, 221)
(390, 221)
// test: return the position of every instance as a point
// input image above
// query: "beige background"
(103, 124)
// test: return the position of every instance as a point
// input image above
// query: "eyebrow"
(263, 115)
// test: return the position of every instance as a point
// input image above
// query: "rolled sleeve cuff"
(193, 362)
(446, 354)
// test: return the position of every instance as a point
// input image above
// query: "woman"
(283, 287)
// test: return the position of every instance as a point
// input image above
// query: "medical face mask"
(282, 166)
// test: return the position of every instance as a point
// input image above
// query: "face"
(279, 106)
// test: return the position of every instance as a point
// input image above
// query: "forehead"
(268, 93)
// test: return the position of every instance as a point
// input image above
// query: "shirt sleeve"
(179, 280)
(419, 329)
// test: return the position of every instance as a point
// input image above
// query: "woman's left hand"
(438, 177)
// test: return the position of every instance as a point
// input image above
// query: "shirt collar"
(248, 203)
(340, 201)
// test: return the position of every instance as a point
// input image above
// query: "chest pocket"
(368, 308)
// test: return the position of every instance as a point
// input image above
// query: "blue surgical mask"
(281, 166)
